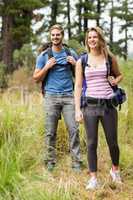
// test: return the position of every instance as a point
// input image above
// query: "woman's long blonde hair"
(102, 42)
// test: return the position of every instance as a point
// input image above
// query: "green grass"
(22, 172)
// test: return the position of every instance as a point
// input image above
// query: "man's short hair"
(57, 26)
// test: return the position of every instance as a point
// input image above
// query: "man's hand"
(50, 63)
(71, 60)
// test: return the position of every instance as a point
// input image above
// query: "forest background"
(24, 26)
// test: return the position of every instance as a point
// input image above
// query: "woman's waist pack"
(118, 98)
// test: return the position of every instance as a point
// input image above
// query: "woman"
(98, 98)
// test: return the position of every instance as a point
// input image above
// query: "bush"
(24, 57)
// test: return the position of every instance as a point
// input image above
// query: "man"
(58, 98)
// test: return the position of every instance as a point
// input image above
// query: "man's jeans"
(54, 105)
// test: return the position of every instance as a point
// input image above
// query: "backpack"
(119, 93)
(49, 51)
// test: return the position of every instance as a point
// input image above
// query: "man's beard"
(57, 44)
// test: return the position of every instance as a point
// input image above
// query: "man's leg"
(52, 114)
(73, 129)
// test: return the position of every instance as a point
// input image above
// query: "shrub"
(24, 57)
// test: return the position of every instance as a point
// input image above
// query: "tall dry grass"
(22, 172)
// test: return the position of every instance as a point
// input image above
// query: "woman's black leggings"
(109, 120)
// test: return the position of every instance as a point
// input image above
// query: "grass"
(22, 172)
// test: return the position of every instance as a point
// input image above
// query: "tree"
(88, 13)
(85, 10)
(100, 8)
(69, 19)
(111, 21)
(79, 13)
(16, 26)
(124, 12)
(54, 11)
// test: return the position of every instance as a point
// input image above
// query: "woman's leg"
(91, 127)
(110, 124)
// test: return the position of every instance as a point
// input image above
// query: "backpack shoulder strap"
(110, 60)
(84, 60)
(109, 71)
(109, 65)
(68, 53)
(67, 50)
(50, 52)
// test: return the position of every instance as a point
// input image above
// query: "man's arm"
(42, 68)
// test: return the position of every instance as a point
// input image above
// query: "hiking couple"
(59, 99)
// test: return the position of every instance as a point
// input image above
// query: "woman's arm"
(78, 90)
(116, 79)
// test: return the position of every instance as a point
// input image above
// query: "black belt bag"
(85, 101)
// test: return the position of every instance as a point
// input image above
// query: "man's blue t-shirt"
(59, 78)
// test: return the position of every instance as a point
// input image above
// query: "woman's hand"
(79, 116)
(112, 80)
